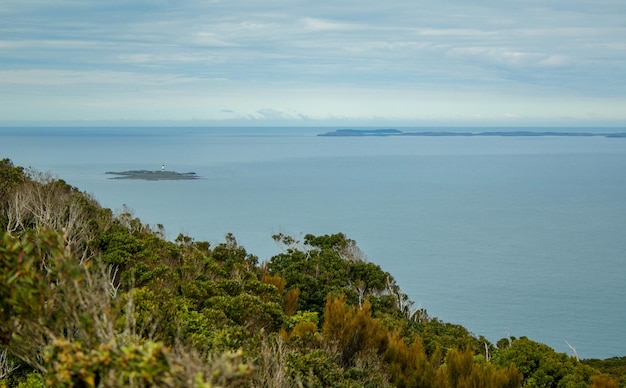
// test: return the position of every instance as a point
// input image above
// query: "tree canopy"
(90, 298)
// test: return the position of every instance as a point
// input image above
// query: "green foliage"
(352, 329)
(94, 299)
(24, 287)
(137, 365)
(234, 258)
(33, 380)
(16, 373)
(543, 367)
(409, 366)
(10, 177)
(249, 311)
(315, 369)
(372, 278)
(153, 313)
(302, 316)
(614, 367)
(461, 370)
(329, 264)
(118, 246)
(146, 364)
(38, 278)
(437, 334)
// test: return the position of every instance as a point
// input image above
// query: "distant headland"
(157, 175)
(395, 132)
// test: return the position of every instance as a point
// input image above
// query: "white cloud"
(556, 61)
(508, 57)
(210, 39)
(313, 24)
(280, 59)
(77, 78)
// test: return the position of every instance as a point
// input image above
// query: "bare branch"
(111, 276)
(7, 366)
(573, 350)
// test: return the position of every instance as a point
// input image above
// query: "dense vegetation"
(90, 298)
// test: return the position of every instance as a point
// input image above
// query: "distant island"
(157, 175)
(395, 132)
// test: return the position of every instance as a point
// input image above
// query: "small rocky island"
(156, 175)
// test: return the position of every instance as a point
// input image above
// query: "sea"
(507, 236)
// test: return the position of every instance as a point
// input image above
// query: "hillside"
(96, 299)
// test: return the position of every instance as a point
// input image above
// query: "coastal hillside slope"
(96, 298)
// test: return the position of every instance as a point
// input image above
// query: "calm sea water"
(522, 235)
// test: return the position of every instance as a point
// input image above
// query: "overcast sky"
(314, 62)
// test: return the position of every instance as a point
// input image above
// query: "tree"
(143, 311)
(351, 329)
(540, 364)
(47, 294)
(10, 177)
(332, 264)
(461, 371)
(42, 202)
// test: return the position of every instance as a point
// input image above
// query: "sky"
(294, 62)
